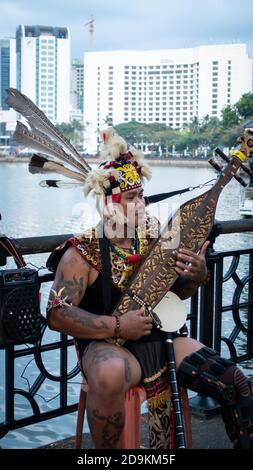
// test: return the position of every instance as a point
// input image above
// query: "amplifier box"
(20, 318)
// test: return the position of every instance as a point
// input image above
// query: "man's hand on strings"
(192, 265)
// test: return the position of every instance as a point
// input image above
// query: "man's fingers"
(183, 265)
(186, 251)
(203, 249)
(181, 272)
(186, 273)
(187, 259)
(187, 254)
(190, 253)
(194, 267)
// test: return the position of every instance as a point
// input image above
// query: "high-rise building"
(167, 86)
(76, 90)
(7, 79)
(7, 68)
(43, 68)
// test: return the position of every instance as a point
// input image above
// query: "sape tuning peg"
(215, 165)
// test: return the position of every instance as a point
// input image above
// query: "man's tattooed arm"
(72, 274)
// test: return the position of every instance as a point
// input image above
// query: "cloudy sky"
(136, 24)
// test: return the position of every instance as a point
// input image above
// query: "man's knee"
(107, 377)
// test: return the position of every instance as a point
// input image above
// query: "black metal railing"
(231, 271)
(213, 310)
(208, 312)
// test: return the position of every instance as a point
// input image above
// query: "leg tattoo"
(112, 428)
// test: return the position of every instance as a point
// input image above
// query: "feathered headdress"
(246, 140)
(121, 170)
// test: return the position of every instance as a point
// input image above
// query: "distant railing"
(206, 322)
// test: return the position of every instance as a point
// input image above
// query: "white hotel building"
(169, 86)
(43, 68)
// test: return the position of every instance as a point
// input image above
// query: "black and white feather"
(45, 138)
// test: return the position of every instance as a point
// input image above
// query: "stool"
(135, 396)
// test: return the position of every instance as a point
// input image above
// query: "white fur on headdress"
(114, 145)
(97, 181)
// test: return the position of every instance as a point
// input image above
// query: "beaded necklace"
(129, 260)
(123, 253)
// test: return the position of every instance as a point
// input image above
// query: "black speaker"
(20, 318)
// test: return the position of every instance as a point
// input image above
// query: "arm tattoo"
(73, 287)
(84, 318)
(111, 431)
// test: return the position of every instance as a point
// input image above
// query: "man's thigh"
(102, 353)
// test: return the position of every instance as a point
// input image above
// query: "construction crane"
(91, 32)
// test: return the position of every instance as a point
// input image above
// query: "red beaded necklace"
(129, 259)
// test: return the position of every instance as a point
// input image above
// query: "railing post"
(206, 310)
(9, 384)
(218, 305)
